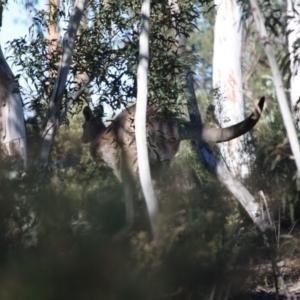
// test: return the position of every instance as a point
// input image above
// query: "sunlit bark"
(53, 25)
(53, 30)
(204, 152)
(227, 82)
(140, 117)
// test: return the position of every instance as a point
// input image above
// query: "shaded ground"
(265, 283)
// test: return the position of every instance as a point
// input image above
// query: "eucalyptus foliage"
(107, 51)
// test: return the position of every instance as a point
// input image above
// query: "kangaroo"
(116, 146)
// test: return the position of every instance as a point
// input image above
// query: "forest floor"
(264, 286)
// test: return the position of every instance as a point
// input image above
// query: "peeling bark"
(238, 154)
(205, 154)
(53, 25)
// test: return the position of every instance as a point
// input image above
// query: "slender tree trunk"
(237, 154)
(279, 87)
(204, 152)
(293, 29)
(52, 122)
(140, 117)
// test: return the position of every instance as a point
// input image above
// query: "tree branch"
(52, 123)
(278, 82)
(204, 152)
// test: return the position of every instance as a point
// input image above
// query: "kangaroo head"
(92, 126)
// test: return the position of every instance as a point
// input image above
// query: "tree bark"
(238, 154)
(140, 118)
(293, 23)
(54, 34)
(204, 152)
(13, 140)
(53, 26)
(52, 122)
(278, 82)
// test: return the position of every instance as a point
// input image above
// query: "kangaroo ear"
(88, 114)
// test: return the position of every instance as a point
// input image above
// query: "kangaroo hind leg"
(129, 210)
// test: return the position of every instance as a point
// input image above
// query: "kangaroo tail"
(217, 135)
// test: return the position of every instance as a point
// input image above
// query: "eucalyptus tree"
(52, 122)
(140, 120)
(203, 150)
(107, 52)
(227, 83)
(13, 139)
(278, 80)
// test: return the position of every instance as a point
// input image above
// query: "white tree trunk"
(13, 140)
(227, 80)
(293, 29)
(140, 118)
(278, 82)
(203, 150)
